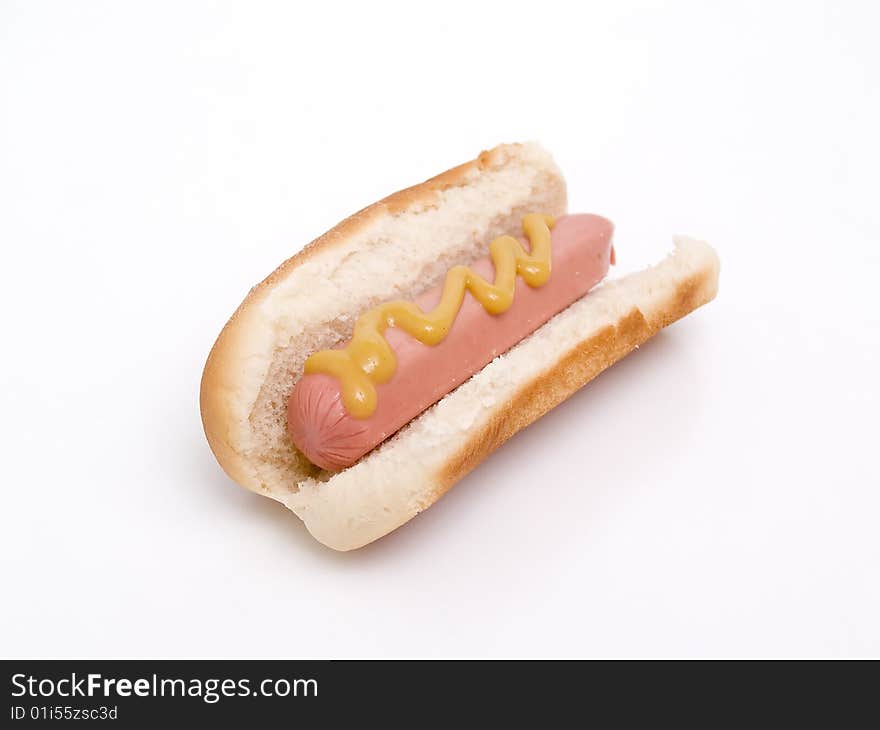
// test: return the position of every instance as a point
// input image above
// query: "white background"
(715, 494)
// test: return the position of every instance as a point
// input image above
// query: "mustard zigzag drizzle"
(368, 359)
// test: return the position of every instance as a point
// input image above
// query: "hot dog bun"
(397, 248)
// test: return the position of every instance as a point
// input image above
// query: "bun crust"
(573, 371)
(394, 248)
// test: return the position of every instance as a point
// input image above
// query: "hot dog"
(374, 369)
(331, 437)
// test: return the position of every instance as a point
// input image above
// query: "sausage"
(331, 438)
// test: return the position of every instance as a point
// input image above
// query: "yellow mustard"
(368, 359)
